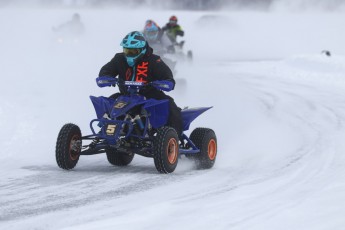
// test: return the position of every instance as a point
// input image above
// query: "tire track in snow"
(301, 168)
(38, 194)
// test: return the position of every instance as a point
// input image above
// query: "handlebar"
(164, 85)
(104, 81)
(135, 83)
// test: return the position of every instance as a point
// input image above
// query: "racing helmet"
(151, 31)
(134, 47)
(173, 20)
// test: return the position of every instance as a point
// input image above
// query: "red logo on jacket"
(142, 70)
(128, 74)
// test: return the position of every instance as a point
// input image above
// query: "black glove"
(180, 33)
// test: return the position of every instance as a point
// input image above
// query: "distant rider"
(73, 27)
(157, 39)
(172, 29)
(138, 63)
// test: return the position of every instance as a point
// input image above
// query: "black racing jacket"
(148, 68)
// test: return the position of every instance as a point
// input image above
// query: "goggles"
(173, 22)
(131, 52)
(151, 33)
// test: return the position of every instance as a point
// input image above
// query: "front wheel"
(205, 139)
(68, 146)
(165, 150)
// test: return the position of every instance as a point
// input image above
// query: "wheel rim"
(172, 150)
(212, 149)
(74, 149)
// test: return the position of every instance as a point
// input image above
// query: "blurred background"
(331, 5)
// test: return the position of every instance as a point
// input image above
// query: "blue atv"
(132, 124)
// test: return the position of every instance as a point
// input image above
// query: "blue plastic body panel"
(188, 115)
(158, 110)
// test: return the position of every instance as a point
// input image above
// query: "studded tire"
(166, 149)
(68, 146)
(205, 139)
(119, 158)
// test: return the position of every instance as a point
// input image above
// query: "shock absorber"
(139, 122)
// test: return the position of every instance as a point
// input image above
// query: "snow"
(279, 113)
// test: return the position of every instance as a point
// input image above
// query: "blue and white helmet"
(134, 46)
(151, 30)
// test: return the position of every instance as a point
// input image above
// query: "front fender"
(102, 105)
(158, 110)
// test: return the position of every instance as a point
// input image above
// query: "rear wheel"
(205, 139)
(165, 150)
(68, 146)
(119, 158)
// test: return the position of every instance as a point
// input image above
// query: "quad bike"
(132, 124)
(179, 55)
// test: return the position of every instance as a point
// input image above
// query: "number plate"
(110, 130)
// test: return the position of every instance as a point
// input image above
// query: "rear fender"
(188, 115)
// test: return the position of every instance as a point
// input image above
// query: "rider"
(73, 27)
(173, 29)
(138, 63)
(157, 39)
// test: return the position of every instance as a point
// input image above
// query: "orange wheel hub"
(212, 149)
(172, 150)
